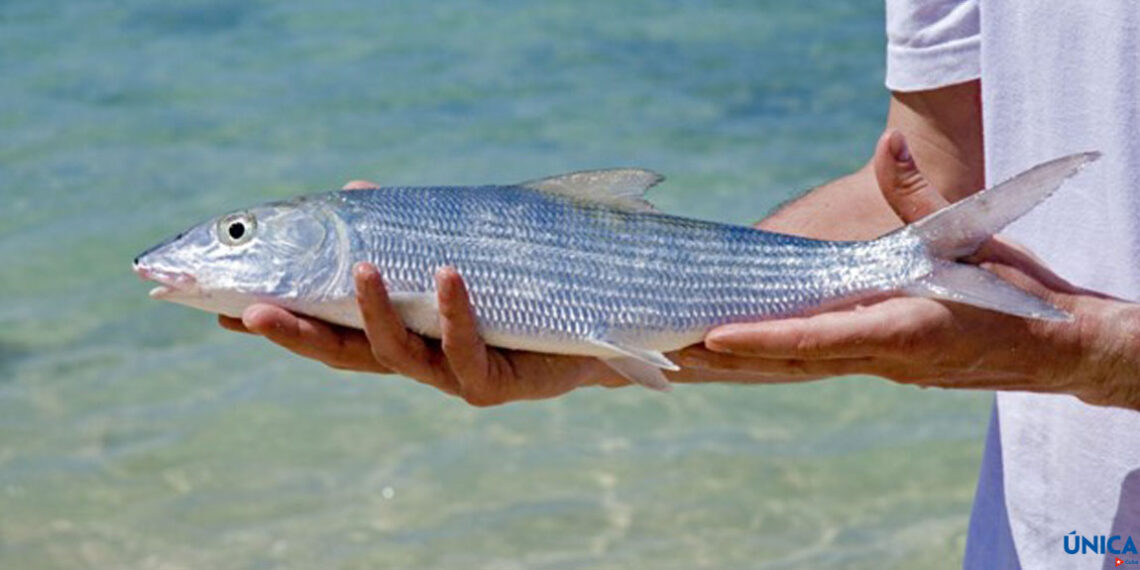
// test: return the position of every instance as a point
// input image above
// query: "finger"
(233, 324)
(465, 350)
(392, 344)
(1017, 256)
(702, 365)
(360, 185)
(312, 338)
(904, 187)
(895, 326)
(699, 364)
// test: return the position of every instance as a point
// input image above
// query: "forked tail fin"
(949, 234)
(960, 229)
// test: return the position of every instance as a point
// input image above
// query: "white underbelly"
(420, 313)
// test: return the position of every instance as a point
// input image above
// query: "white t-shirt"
(1058, 76)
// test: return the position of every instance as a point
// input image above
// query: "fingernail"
(370, 276)
(445, 278)
(715, 343)
(901, 150)
(443, 285)
(692, 361)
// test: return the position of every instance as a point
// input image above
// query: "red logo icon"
(1119, 562)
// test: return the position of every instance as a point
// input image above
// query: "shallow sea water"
(137, 434)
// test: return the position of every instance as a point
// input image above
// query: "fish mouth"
(170, 283)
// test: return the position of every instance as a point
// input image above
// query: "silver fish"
(581, 263)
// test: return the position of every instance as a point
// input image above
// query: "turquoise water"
(137, 434)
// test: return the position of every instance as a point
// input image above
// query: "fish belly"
(420, 313)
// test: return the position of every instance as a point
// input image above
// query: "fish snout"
(169, 282)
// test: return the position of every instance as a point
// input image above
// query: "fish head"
(272, 252)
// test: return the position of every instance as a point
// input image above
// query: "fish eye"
(236, 229)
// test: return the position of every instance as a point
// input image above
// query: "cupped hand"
(460, 363)
(930, 343)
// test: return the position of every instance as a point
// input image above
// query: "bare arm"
(943, 129)
(1096, 357)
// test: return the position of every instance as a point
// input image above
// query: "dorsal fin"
(621, 188)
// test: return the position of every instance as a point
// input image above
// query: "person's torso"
(1062, 76)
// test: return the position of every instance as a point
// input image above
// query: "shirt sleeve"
(932, 43)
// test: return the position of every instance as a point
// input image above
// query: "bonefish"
(581, 263)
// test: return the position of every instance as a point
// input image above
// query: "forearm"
(944, 130)
(850, 207)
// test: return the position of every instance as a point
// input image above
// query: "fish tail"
(961, 228)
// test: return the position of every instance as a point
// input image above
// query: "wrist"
(1110, 353)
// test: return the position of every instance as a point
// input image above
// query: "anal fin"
(638, 371)
(638, 364)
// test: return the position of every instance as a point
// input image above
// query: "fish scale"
(659, 272)
(580, 263)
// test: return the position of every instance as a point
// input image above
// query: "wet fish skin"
(543, 265)
(576, 264)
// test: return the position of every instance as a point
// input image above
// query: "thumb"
(903, 186)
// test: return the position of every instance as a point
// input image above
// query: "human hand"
(929, 343)
(460, 363)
